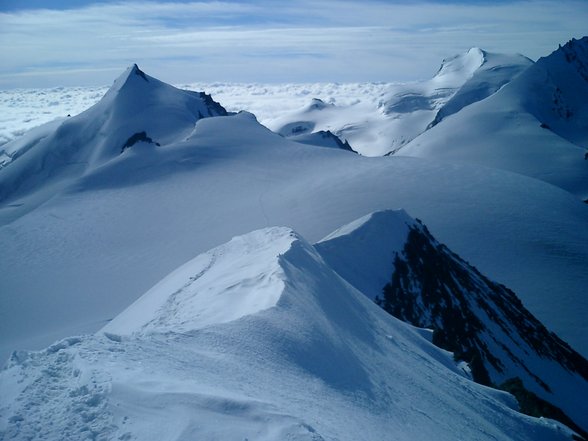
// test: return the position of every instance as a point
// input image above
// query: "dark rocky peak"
(576, 54)
(214, 108)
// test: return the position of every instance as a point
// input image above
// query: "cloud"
(266, 40)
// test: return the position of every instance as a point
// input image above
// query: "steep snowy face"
(480, 321)
(385, 123)
(560, 85)
(363, 251)
(257, 339)
(138, 112)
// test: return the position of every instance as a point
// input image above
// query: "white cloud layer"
(268, 41)
(23, 109)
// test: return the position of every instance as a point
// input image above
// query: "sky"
(80, 42)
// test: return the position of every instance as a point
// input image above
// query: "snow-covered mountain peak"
(133, 89)
(128, 77)
(510, 101)
(138, 111)
(402, 112)
(455, 70)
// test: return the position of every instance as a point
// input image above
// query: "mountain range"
(499, 111)
(298, 327)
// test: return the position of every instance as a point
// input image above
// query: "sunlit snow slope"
(536, 125)
(256, 339)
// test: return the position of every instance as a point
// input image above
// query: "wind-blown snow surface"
(285, 350)
(74, 258)
(535, 125)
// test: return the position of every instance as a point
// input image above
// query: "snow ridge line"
(171, 304)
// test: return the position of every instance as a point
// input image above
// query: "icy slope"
(137, 112)
(385, 123)
(395, 260)
(80, 258)
(535, 125)
(307, 358)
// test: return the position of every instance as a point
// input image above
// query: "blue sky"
(78, 42)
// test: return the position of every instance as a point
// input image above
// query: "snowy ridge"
(495, 71)
(264, 375)
(231, 281)
(420, 281)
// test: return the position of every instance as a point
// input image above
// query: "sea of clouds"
(24, 109)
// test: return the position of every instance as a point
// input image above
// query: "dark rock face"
(214, 108)
(576, 53)
(480, 321)
(137, 137)
(531, 404)
(344, 145)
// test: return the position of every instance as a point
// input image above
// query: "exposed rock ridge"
(482, 322)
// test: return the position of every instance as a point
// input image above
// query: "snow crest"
(231, 281)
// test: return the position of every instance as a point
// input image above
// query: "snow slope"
(403, 111)
(74, 258)
(287, 350)
(535, 125)
(395, 260)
